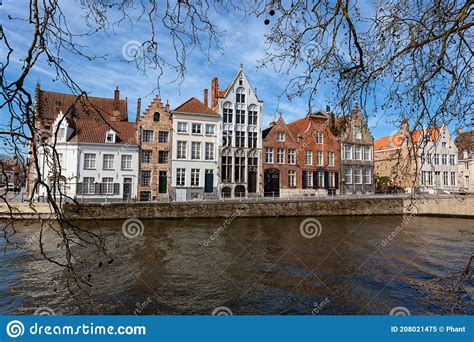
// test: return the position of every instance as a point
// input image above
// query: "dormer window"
(241, 82)
(156, 116)
(110, 137)
(61, 134)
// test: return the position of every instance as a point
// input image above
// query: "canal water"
(243, 266)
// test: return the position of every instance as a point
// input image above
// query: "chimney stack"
(116, 98)
(139, 105)
(328, 108)
(167, 107)
(459, 130)
(214, 92)
(206, 102)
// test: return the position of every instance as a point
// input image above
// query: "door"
(180, 195)
(162, 182)
(209, 181)
(271, 185)
(252, 185)
(127, 188)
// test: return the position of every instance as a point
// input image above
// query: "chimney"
(139, 105)
(272, 123)
(206, 97)
(404, 126)
(328, 108)
(214, 92)
(459, 130)
(167, 107)
(116, 98)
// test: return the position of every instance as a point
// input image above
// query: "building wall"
(188, 192)
(146, 122)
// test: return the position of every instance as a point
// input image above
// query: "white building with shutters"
(194, 164)
(93, 160)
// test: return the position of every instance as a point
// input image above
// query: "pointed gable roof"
(279, 124)
(194, 106)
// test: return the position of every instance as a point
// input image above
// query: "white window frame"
(182, 127)
(89, 161)
(126, 162)
(108, 161)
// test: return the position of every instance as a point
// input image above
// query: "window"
(367, 176)
(347, 175)
(453, 178)
(331, 158)
(182, 127)
(291, 156)
(320, 179)
(126, 163)
(108, 162)
(162, 137)
(147, 136)
(357, 152)
(269, 155)
(367, 154)
(445, 178)
(332, 180)
(61, 134)
(195, 173)
(181, 150)
(240, 96)
(430, 177)
(145, 177)
(436, 159)
(162, 157)
(307, 179)
(252, 139)
(226, 168)
(452, 159)
(109, 137)
(252, 115)
(319, 137)
(280, 156)
(227, 138)
(240, 115)
(308, 157)
(239, 139)
(89, 161)
(60, 161)
(319, 158)
(107, 186)
(210, 129)
(147, 156)
(444, 159)
(428, 158)
(280, 136)
(347, 152)
(196, 128)
(209, 154)
(88, 186)
(357, 176)
(443, 144)
(195, 150)
(180, 177)
(156, 116)
(227, 111)
(291, 179)
(239, 169)
(357, 132)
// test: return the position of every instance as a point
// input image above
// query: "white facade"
(438, 164)
(105, 171)
(240, 141)
(194, 164)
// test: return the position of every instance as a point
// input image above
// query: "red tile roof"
(93, 131)
(193, 105)
(395, 141)
(50, 103)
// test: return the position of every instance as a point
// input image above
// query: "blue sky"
(244, 38)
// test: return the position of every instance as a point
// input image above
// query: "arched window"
(227, 111)
(156, 116)
(253, 115)
(240, 96)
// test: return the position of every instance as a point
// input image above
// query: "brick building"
(154, 127)
(280, 168)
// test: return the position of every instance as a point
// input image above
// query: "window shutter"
(326, 179)
(336, 180)
(116, 188)
(79, 188)
(315, 180)
(98, 188)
